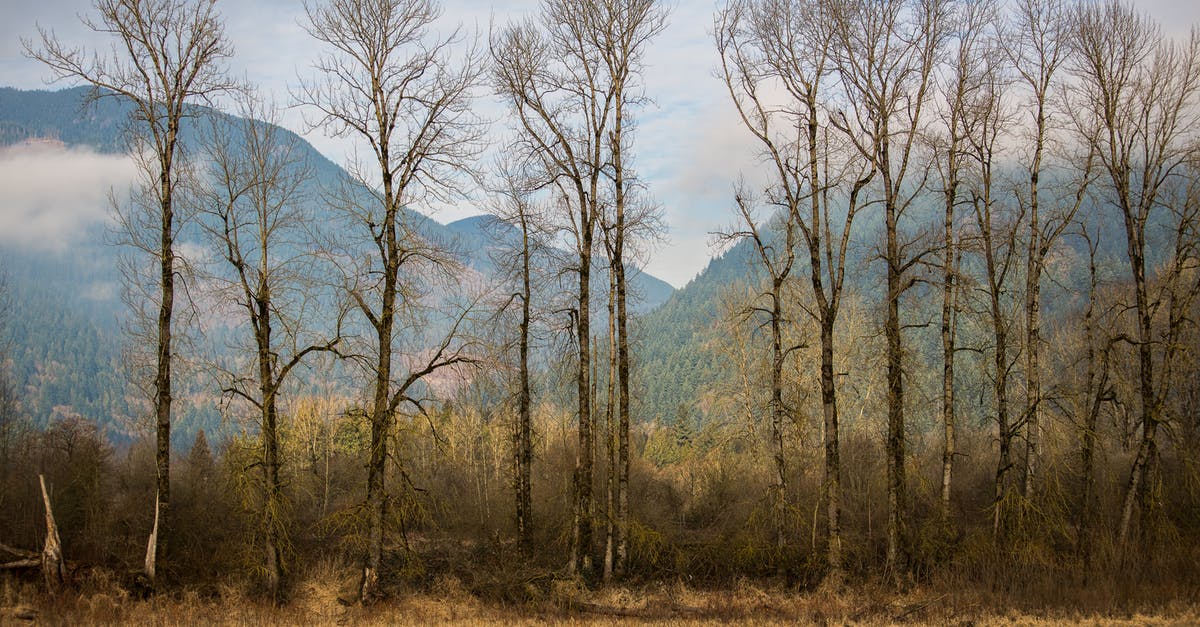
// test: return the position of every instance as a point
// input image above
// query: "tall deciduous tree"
(787, 42)
(570, 81)
(167, 56)
(516, 208)
(389, 81)
(774, 240)
(964, 81)
(984, 118)
(885, 54)
(1037, 48)
(254, 212)
(1139, 92)
(625, 29)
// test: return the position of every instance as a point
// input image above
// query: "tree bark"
(582, 551)
(524, 446)
(162, 380)
(610, 432)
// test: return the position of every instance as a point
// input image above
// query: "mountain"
(481, 238)
(678, 366)
(60, 267)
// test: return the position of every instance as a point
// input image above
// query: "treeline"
(938, 427)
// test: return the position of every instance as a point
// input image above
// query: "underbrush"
(463, 583)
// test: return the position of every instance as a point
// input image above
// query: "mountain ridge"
(67, 314)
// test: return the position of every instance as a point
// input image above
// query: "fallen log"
(25, 563)
(18, 552)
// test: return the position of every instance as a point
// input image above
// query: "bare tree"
(1098, 393)
(256, 217)
(625, 29)
(968, 75)
(570, 80)
(562, 130)
(1037, 49)
(388, 81)
(516, 208)
(884, 54)
(984, 119)
(1141, 93)
(167, 56)
(785, 41)
(774, 240)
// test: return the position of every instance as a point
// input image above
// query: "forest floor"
(449, 602)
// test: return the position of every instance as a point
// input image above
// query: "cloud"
(51, 196)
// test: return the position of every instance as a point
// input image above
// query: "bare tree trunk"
(1097, 393)
(162, 379)
(52, 559)
(582, 550)
(524, 436)
(1149, 400)
(618, 270)
(1033, 364)
(949, 307)
(833, 465)
(949, 302)
(610, 433)
(1004, 464)
(270, 442)
(377, 460)
(895, 394)
(622, 557)
(779, 489)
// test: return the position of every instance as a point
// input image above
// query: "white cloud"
(50, 195)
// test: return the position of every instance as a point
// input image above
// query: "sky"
(690, 148)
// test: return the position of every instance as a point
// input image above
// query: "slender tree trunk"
(622, 557)
(1149, 401)
(895, 387)
(274, 505)
(582, 550)
(779, 496)
(833, 481)
(949, 290)
(1004, 464)
(524, 441)
(270, 443)
(380, 408)
(610, 475)
(376, 467)
(1097, 386)
(618, 269)
(157, 547)
(1033, 305)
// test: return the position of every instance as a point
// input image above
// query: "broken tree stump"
(52, 560)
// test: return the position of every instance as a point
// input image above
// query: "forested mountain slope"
(65, 313)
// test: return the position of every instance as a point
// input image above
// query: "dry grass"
(99, 600)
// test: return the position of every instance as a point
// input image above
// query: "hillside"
(66, 315)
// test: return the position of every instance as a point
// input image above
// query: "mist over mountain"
(60, 258)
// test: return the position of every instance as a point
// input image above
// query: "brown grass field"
(97, 599)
